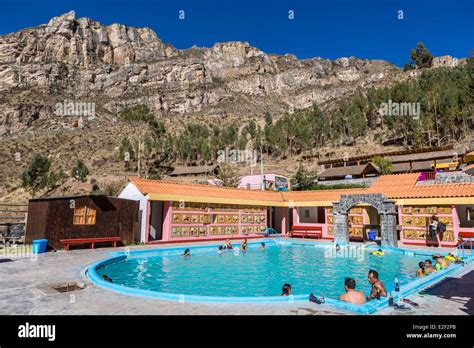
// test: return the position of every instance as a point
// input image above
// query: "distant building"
(195, 170)
(270, 182)
(421, 160)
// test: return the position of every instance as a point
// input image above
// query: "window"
(84, 216)
(306, 214)
(470, 214)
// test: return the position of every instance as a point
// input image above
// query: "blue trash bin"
(372, 234)
(39, 246)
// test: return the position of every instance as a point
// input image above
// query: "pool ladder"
(462, 247)
(271, 232)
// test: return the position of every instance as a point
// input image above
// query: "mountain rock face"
(115, 66)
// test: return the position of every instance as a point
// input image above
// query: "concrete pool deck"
(26, 288)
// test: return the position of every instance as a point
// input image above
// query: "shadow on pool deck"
(458, 290)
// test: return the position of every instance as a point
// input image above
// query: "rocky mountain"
(115, 66)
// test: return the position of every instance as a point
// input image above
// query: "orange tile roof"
(404, 186)
(397, 186)
(168, 188)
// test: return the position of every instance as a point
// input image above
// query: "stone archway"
(385, 208)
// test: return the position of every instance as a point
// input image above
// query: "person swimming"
(286, 290)
(421, 271)
(441, 263)
(187, 252)
(107, 278)
(338, 247)
(220, 250)
(378, 288)
(244, 245)
(378, 252)
(227, 245)
(262, 246)
(429, 267)
(352, 295)
(453, 258)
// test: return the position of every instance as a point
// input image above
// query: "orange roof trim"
(396, 186)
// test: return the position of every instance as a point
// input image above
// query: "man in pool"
(262, 246)
(187, 252)
(378, 288)
(107, 278)
(352, 295)
(429, 267)
(286, 290)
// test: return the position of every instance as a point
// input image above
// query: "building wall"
(198, 221)
(307, 215)
(414, 222)
(462, 214)
(53, 219)
(132, 192)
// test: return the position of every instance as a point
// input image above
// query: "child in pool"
(421, 271)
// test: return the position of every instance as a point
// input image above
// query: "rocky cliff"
(114, 66)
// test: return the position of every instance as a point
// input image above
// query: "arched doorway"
(385, 208)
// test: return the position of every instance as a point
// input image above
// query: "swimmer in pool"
(352, 295)
(421, 271)
(441, 263)
(286, 290)
(378, 252)
(262, 246)
(429, 267)
(227, 245)
(187, 252)
(107, 278)
(378, 288)
(244, 245)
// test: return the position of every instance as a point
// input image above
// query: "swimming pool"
(257, 276)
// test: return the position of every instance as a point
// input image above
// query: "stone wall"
(359, 181)
(453, 177)
(385, 208)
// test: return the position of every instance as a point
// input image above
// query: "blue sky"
(329, 29)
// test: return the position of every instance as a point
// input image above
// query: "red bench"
(306, 231)
(91, 241)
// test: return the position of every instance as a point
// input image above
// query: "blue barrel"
(39, 246)
(372, 234)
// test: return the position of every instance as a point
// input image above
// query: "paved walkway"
(26, 287)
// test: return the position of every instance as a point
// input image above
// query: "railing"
(271, 232)
(462, 246)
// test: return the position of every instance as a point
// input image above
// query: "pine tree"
(421, 57)
(80, 171)
(35, 176)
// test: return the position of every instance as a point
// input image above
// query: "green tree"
(421, 57)
(227, 175)
(140, 118)
(384, 164)
(80, 171)
(303, 179)
(56, 179)
(35, 176)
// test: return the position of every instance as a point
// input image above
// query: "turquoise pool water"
(308, 268)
